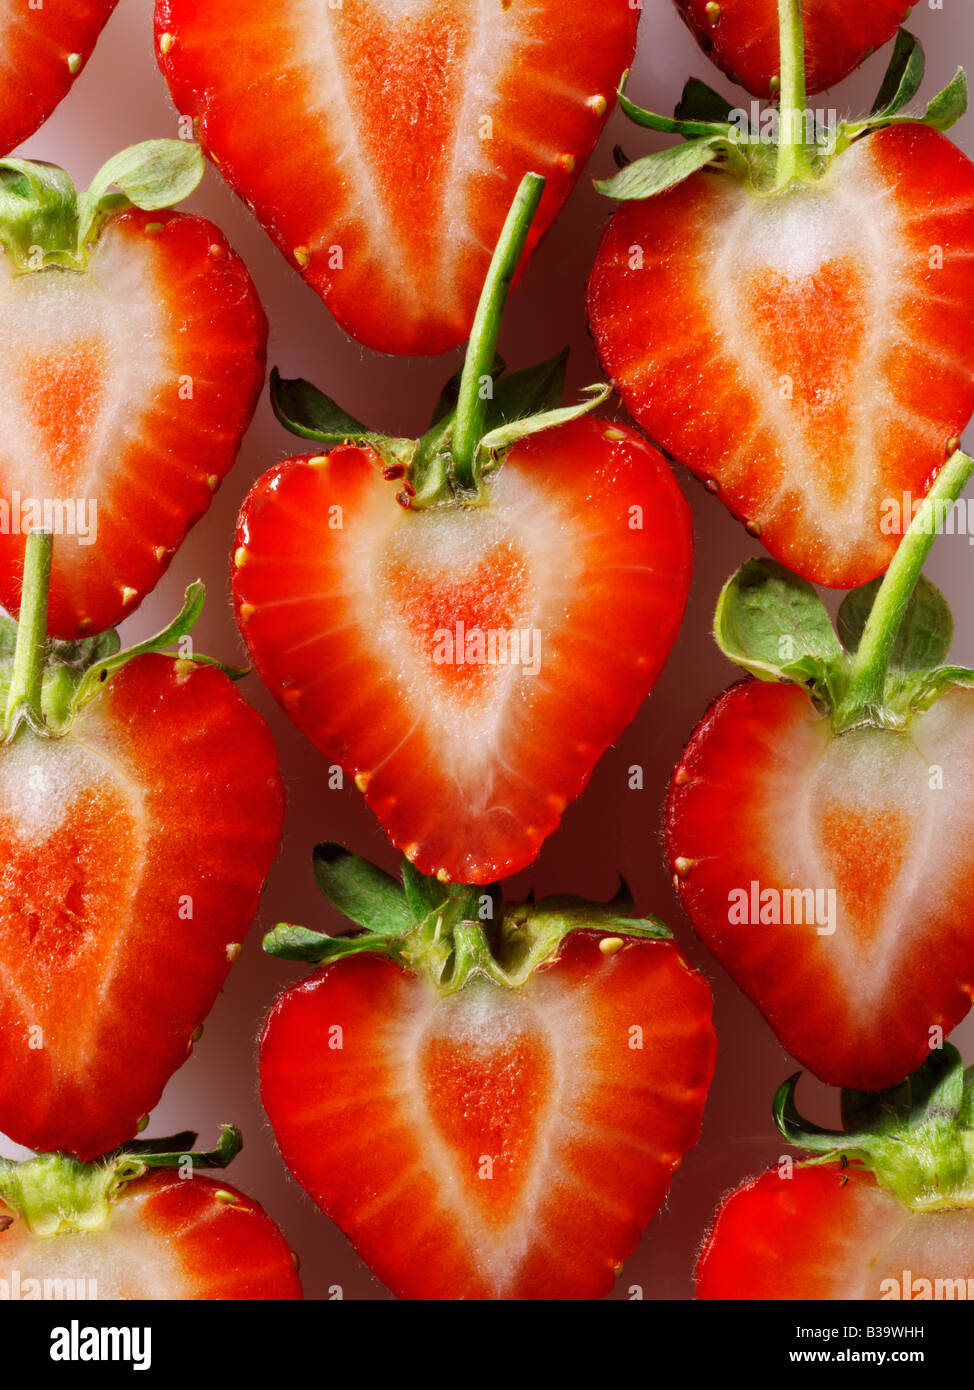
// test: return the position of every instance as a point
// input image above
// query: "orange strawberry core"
(62, 394)
(462, 624)
(487, 1102)
(410, 145)
(865, 853)
(811, 328)
(62, 897)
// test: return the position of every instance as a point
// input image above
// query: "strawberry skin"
(129, 386)
(492, 1144)
(830, 1232)
(345, 599)
(133, 852)
(314, 125)
(42, 50)
(167, 1237)
(765, 795)
(742, 37)
(804, 354)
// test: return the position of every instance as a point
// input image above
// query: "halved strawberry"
(491, 1105)
(43, 47)
(140, 809)
(134, 344)
(821, 832)
(795, 321)
(125, 1228)
(888, 1214)
(380, 146)
(741, 36)
(467, 622)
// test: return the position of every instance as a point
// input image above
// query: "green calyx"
(452, 933)
(774, 147)
(45, 221)
(917, 1138)
(55, 1194)
(478, 416)
(887, 660)
(45, 683)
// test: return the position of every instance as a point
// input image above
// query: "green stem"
(481, 349)
(793, 155)
(27, 677)
(867, 675)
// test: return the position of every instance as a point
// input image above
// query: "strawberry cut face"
(392, 231)
(123, 447)
(166, 1237)
(832, 1233)
(127, 880)
(467, 665)
(518, 1141)
(808, 352)
(867, 836)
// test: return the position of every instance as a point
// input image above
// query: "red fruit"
(350, 605)
(313, 121)
(840, 1231)
(130, 383)
(741, 36)
(134, 844)
(43, 47)
(766, 795)
(804, 349)
(820, 832)
(137, 1235)
(489, 1135)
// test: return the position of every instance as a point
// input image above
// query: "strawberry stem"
(482, 347)
(864, 697)
(27, 676)
(793, 160)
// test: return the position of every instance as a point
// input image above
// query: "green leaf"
(506, 435)
(289, 942)
(700, 103)
(655, 173)
(364, 893)
(151, 1153)
(182, 624)
(903, 76)
(774, 625)
(944, 111)
(694, 93)
(424, 894)
(948, 106)
(926, 632)
(309, 413)
(155, 174)
(528, 392)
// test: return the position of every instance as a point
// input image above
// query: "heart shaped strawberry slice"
(441, 617)
(136, 346)
(794, 320)
(485, 1122)
(43, 47)
(140, 809)
(380, 144)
